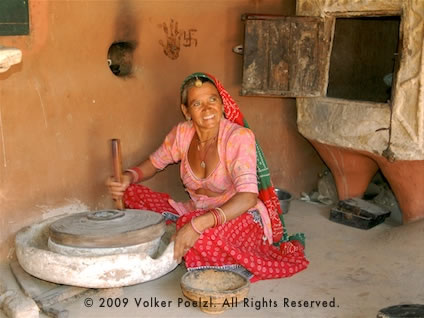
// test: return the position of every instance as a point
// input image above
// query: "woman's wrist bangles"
(219, 216)
(137, 174)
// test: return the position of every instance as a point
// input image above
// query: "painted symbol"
(173, 40)
(172, 45)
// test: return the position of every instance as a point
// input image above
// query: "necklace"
(202, 142)
(202, 162)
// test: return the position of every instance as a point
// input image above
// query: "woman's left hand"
(184, 239)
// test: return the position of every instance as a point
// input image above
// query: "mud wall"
(60, 107)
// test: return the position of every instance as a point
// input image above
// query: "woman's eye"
(196, 104)
(212, 99)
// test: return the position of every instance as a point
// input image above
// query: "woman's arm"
(167, 153)
(187, 235)
(117, 189)
(233, 208)
(147, 169)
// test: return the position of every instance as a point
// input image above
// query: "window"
(14, 17)
(363, 58)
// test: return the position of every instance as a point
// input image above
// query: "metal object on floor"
(284, 197)
(358, 213)
(402, 311)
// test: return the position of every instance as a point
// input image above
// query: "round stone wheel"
(99, 271)
(109, 228)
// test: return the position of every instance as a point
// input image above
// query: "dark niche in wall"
(14, 17)
(120, 58)
(363, 57)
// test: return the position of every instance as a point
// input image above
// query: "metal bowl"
(284, 197)
(214, 290)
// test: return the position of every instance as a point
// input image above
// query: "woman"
(224, 224)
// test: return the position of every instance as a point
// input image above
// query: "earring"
(188, 118)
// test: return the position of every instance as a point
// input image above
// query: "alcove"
(363, 58)
(120, 58)
(14, 17)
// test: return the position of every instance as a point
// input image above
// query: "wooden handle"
(117, 168)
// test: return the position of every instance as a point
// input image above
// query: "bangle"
(136, 173)
(219, 216)
(215, 220)
(216, 216)
(223, 215)
(194, 227)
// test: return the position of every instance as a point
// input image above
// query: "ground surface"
(356, 271)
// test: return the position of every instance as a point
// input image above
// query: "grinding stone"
(100, 271)
(105, 229)
(148, 248)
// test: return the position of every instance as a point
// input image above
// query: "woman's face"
(204, 106)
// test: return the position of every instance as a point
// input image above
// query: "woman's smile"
(208, 117)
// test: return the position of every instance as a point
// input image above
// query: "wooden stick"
(117, 168)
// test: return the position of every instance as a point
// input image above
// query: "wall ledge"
(9, 56)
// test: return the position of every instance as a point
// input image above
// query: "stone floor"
(356, 271)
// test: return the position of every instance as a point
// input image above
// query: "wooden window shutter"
(285, 56)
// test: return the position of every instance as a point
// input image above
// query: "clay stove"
(357, 137)
(362, 112)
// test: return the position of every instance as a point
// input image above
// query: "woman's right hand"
(184, 239)
(117, 189)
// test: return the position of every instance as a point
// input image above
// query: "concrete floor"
(361, 270)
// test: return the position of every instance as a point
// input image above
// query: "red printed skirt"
(237, 245)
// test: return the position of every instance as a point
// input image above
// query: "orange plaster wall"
(61, 106)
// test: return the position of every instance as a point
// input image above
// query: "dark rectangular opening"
(362, 62)
(14, 17)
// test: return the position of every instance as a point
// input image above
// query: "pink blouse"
(235, 172)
